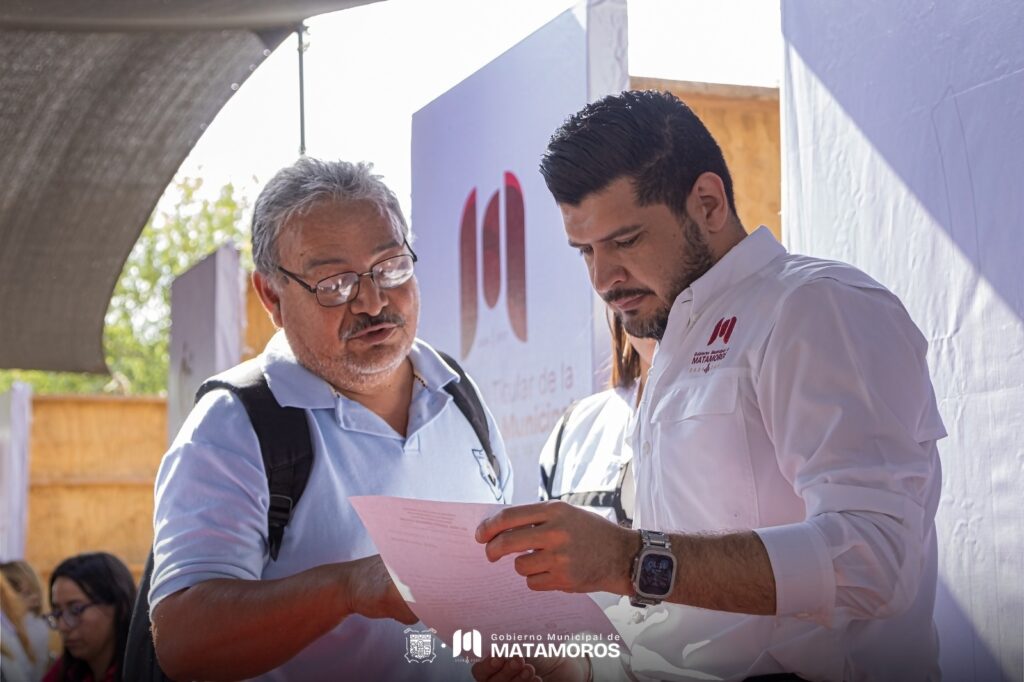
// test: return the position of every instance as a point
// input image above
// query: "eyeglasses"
(71, 616)
(339, 289)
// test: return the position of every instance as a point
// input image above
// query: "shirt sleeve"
(211, 500)
(847, 401)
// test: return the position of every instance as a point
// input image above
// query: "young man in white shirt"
(786, 467)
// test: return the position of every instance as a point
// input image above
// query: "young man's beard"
(695, 261)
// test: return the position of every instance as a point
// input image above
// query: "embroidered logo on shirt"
(487, 472)
(723, 330)
(702, 360)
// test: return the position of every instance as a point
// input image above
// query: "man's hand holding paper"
(452, 585)
(561, 547)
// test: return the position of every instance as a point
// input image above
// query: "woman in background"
(587, 460)
(25, 581)
(92, 597)
(17, 658)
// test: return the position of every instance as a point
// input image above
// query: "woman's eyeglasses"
(71, 616)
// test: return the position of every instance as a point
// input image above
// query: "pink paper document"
(445, 576)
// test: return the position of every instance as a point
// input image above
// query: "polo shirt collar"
(295, 386)
(430, 367)
(292, 384)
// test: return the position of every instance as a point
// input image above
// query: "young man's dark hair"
(651, 137)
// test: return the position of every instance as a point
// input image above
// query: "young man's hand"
(562, 547)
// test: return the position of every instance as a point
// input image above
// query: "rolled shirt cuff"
(805, 581)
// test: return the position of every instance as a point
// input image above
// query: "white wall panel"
(903, 153)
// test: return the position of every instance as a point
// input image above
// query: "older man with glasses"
(335, 271)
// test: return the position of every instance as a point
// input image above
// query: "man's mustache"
(619, 294)
(364, 321)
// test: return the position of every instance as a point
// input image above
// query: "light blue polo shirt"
(210, 519)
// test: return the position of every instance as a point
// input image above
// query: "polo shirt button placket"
(412, 444)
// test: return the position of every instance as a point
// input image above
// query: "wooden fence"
(93, 460)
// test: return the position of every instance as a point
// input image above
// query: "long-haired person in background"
(587, 460)
(24, 580)
(92, 597)
(17, 657)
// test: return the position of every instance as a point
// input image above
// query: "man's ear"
(708, 204)
(269, 297)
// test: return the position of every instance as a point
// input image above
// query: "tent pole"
(301, 34)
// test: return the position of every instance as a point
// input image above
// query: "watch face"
(655, 575)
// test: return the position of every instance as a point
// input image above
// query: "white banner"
(15, 428)
(501, 289)
(905, 157)
(207, 318)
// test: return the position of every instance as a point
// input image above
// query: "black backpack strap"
(468, 402)
(547, 478)
(287, 451)
(601, 498)
(592, 498)
(285, 443)
(627, 495)
(140, 661)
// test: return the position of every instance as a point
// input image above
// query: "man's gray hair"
(294, 190)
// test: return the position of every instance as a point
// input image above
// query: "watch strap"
(653, 538)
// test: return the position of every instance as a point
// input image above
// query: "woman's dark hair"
(625, 359)
(105, 580)
(650, 137)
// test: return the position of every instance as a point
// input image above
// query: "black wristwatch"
(654, 570)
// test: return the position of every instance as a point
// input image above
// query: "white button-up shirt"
(791, 396)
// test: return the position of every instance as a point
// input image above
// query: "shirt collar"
(292, 384)
(434, 371)
(754, 252)
(295, 386)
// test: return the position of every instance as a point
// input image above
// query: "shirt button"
(647, 447)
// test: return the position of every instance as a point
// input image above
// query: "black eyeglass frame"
(315, 288)
(72, 613)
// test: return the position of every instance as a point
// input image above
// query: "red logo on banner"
(515, 260)
(723, 330)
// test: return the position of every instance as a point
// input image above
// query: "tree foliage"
(137, 325)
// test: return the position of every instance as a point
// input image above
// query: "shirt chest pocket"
(696, 399)
(701, 454)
